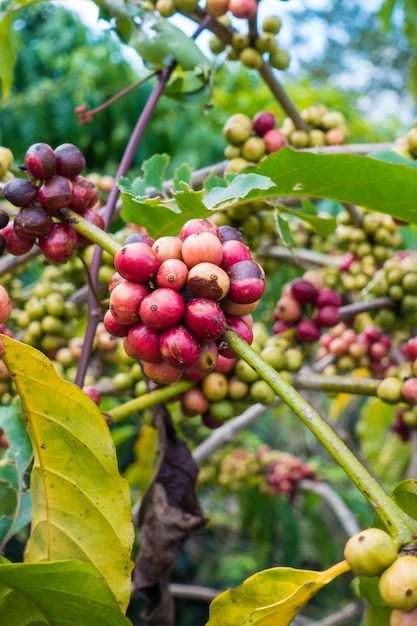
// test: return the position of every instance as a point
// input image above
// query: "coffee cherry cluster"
(47, 319)
(327, 128)
(252, 50)
(396, 279)
(307, 307)
(171, 299)
(249, 140)
(351, 350)
(269, 471)
(54, 182)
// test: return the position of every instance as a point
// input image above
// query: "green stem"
(158, 396)
(335, 384)
(89, 230)
(397, 522)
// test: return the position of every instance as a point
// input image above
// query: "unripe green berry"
(271, 24)
(398, 584)
(250, 57)
(370, 552)
(279, 59)
(389, 390)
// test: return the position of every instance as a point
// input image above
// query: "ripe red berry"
(84, 194)
(60, 244)
(40, 161)
(328, 297)
(410, 390)
(161, 308)
(14, 244)
(5, 305)
(136, 262)
(20, 191)
(303, 291)
(239, 326)
(162, 373)
(208, 280)
(204, 318)
(113, 327)
(197, 225)
(243, 9)
(125, 301)
(32, 221)
(142, 343)
(287, 309)
(328, 316)
(94, 218)
(202, 248)
(307, 330)
(263, 122)
(207, 360)
(179, 347)
(55, 193)
(168, 248)
(274, 140)
(172, 273)
(70, 161)
(247, 282)
(227, 233)
(233, 252)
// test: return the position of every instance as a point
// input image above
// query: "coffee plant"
(146, 325)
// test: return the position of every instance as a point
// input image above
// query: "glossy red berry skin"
(239, 326)
(137, 262)
(94, 218)
(197, 225)
(60, 244)
(161, 308)
(303, 291)
(328, 297)
(113, 327)
(125, 300)
(172, 274)
(84, 194)
(14, 244)
(142, 343)
(233, 252)
(307, 330)
(263, 121)
(70, 161)
(162, 373)
(247, 282)
(40, 161)
(179, 347)
(204, 318)
(55, 193)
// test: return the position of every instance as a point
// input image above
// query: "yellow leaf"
(81, 504)
(273, 596)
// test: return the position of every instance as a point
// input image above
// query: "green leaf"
(158, 218)
(273, 596)
(240, 187)
(7, 55)
(324, 226)
(80, 502)
(361, 180)
(15, 501)
(158, 42)
(58, 593)
(389, 156)
(284, 231)
(154, 170)
(182, 175)
(184, 49)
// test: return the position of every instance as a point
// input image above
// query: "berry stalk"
(89, 230)
(161, 395)
(397, 522)
(335, 384)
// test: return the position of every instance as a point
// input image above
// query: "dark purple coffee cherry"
(40, 161)
(4, 218)
(56, 193)
(32, 221)
(2, 245)
(70, 160)
(227, 233)
(20, 191)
